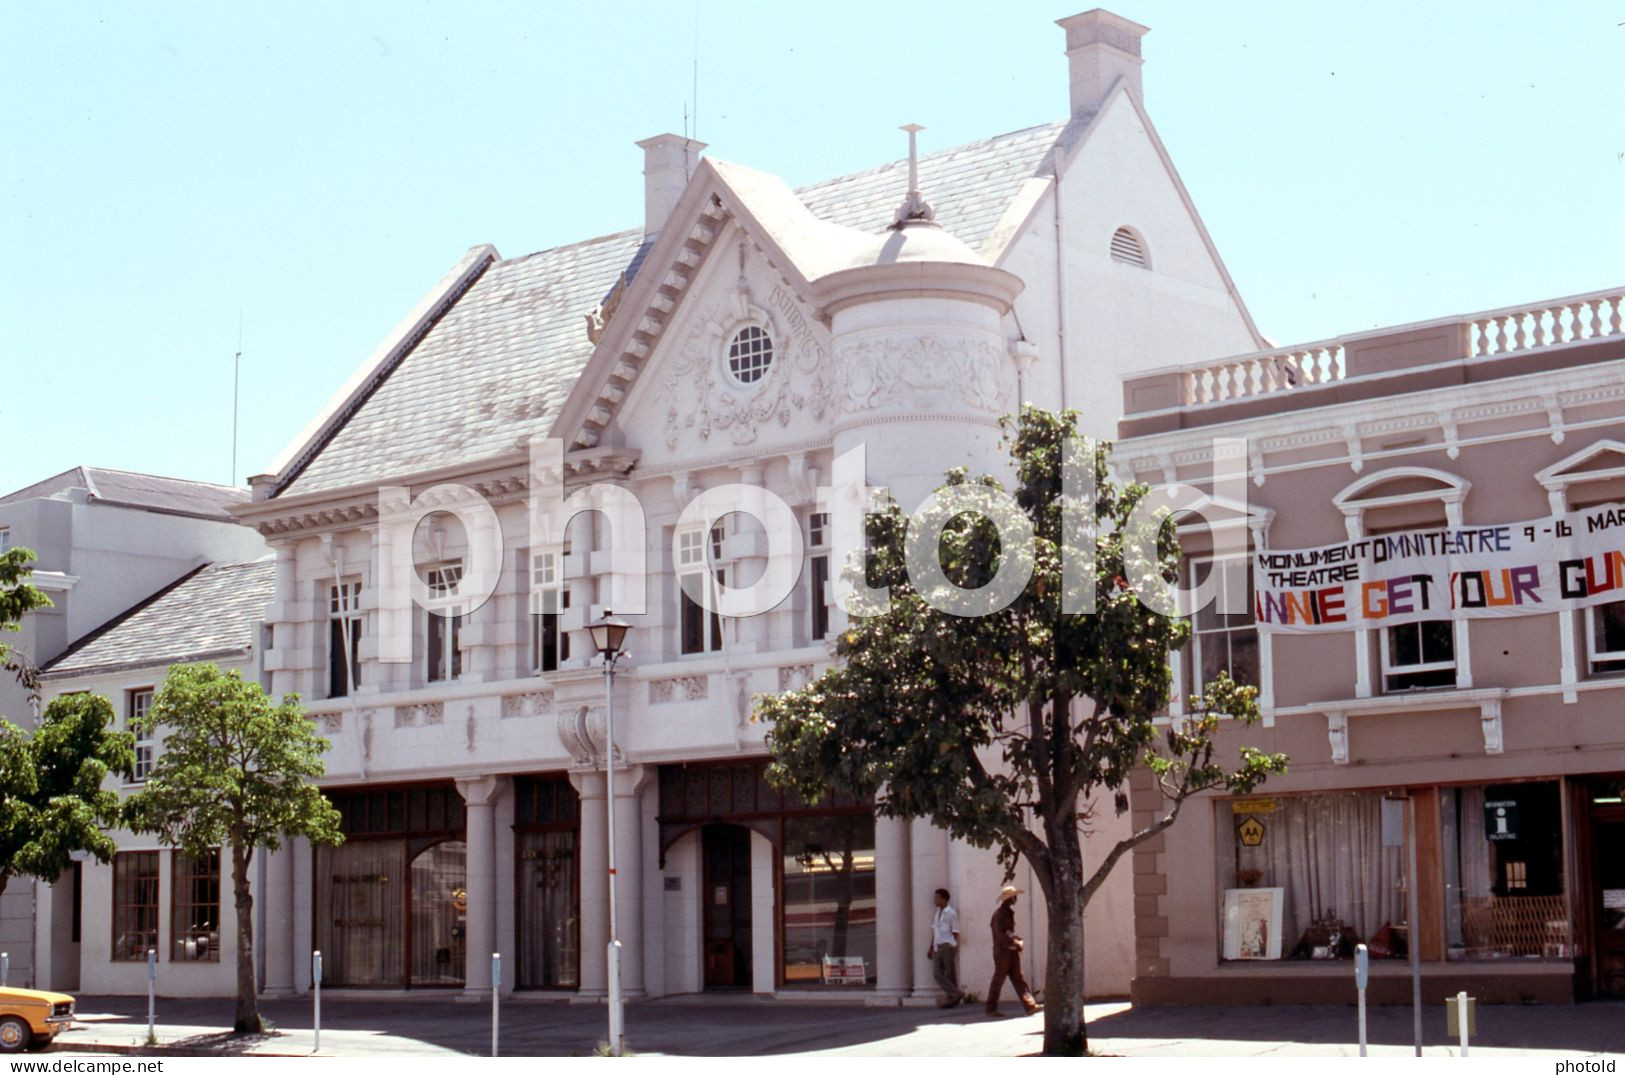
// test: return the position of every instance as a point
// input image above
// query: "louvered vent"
(1126, 247)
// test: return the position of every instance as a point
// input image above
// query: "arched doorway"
(725, 906)
(439, 914)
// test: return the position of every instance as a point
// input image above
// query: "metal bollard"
(152, 994)
(1461, 1019)
(616, 1014)
(1362, 978)
(5, 968)
(496, 998)
(316, 991)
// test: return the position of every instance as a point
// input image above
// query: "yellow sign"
(1252, 806)
(1251, 832)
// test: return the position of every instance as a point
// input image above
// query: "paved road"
(422, 1025)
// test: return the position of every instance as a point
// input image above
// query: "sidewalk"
(726, 1026)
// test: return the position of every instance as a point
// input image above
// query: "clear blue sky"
(314, 167)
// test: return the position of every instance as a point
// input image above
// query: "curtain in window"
(440, 914)
(1326, 853)
(547, 910)
(360, 912)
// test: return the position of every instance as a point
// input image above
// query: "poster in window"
(1252, 923)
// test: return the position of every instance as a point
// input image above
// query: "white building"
(104, 541)
(745, 333)
(97, 922)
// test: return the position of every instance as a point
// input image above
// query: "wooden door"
(726, 906)
(1608, 902)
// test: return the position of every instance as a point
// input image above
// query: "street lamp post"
(608, 635)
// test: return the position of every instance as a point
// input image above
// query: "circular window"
(750, 354)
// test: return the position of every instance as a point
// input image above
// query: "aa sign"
(1553, 564)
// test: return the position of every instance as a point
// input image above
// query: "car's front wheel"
(14, 1035)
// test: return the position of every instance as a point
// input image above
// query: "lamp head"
(608, 635)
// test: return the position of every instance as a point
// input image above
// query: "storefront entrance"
(823, 925)
(547, 817)
(1608, 894)
(725, 851)
(392, 900)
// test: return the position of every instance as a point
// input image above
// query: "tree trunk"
(248, 1001)
(1064, 1033)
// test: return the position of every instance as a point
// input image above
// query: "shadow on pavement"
(1593, 1027)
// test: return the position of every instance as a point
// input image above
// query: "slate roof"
(499, 365)
(146, 492)
(211, 612)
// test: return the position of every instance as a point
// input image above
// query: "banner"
(1553, 564)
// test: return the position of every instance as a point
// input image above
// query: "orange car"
(30, 1018)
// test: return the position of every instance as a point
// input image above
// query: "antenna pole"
(236, 376)
(696, 97)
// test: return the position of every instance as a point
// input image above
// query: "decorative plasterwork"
(1353, 502)
(652, 321)
(528, 704)
(581, 733)
(505, 485)
(795, 676)
(679, 689)
(705, 401)
(1415, 705)
(923, 373)
(420, 714)
(1556, 397)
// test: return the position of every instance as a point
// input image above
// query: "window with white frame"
(817, 575)
(1421, 655)
(549, 641)
(1605, 637)
(443, 624)
(1417, 656)
(137, 704)
(1604, 625)
(1224, 641)
(5, 539)
(343, 638)
(698, 630)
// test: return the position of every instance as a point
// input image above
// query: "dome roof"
(917, 243)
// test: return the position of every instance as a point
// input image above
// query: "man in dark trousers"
(1007, 954)
(943, 951)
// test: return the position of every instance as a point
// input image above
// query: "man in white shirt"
(944, 949)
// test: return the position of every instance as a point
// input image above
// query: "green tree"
(52, 802)
(1009, 729)
(17, 599)
(234, 773)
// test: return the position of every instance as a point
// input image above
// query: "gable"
(689, 404)
(498, 361)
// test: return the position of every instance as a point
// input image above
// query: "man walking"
(1007, 954)
(943, 951)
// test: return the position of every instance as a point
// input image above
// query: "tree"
(1007, 729)
(17, 599)
(234, 773)
(51, 798)
(52, 802)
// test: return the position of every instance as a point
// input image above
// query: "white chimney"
(668, 161)
(1101, 50)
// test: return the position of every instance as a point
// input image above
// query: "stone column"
(594, 860)
(893, 969)
(928, 864)
(629, 784)
(278, 939)
(480, 796)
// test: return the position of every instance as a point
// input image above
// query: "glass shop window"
(1307, 877)
(1503, 872)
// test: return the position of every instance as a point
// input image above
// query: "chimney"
(1101, 50)
(668, 161)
